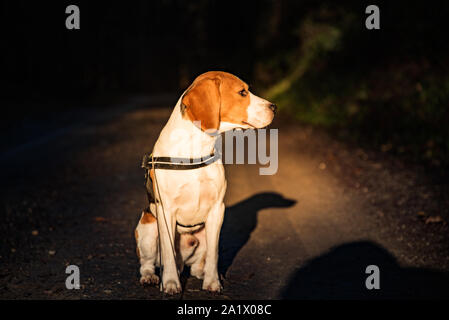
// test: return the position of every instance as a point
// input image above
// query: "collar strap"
(148, 211)
(190, 225)
(175, 163)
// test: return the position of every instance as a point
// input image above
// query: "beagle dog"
(189, 203)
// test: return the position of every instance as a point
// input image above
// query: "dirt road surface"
(74, 197)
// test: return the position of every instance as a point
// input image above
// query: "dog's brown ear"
(202, 103)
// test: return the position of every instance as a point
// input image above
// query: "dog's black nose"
(273, 107)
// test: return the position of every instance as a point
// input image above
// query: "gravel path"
(307, 232)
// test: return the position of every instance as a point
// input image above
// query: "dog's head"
(221, 101)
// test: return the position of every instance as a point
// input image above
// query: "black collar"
(172, 163)
(148, 211)
(175, 163)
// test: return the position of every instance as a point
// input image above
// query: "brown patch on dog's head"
(234, 100)
(216, 97)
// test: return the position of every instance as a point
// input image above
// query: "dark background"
(77, 114)
(387, 89)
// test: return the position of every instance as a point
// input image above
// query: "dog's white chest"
(192, 194)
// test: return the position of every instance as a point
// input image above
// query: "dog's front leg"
(170, 280)
(214, 221)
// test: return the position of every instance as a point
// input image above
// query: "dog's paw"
(172, 287)
(149, 279)
(213, 286)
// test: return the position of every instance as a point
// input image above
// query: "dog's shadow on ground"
(340, 274)
(239, 222)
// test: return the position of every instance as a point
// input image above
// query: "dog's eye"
(243, 93)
